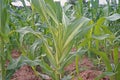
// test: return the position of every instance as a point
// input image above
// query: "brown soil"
(15, 53)
(25, 73)
(85, 64)
(90, 75)
(89, 72)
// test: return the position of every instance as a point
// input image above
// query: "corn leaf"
(104, 57)
(113, 17)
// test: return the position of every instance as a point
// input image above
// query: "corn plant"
(62, 33)
(105, 38)
(4, 29)
(52, 31)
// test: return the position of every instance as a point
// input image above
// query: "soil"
(90, 75)
(88, 72)
(25, 73)
(15, 53)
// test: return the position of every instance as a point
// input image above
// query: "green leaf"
(104, 57)
(47, 68)
(105, 74)
(65, 20)
(117, 76)
(98, 26)
(4, 28)
(0, 77)
(101, 37)
(15, 63)
(66, 61)
(67, 77)
(32, 62)
(74, 29)
(25, 30)
(34, 46)
(46, 9)
(116, 55)
(113, 17)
